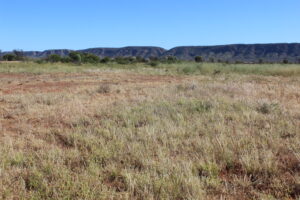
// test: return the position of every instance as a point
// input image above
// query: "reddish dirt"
(12, 120)
(23, 83)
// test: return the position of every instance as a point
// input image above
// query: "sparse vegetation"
(179, 130)
(198, 59)
(9, 57)
(54, 58)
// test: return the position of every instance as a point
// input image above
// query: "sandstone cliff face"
(235, 52)
(240, 52)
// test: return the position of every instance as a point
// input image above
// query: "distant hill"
(240, 52)
(231, 53)
(145, 52)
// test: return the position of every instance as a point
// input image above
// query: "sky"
(80, 24)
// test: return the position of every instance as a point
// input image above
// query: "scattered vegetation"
(177, 130)
(178, 68)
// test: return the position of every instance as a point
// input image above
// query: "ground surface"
(127, 134)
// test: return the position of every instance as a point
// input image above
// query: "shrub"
(132, 59)
(171, 59)
(153, 63)
(9, 57)
(216, 71)
(75, 57)
(266, 108)
(103, 89)
(40, 61)
(19, 54)
(285, 61)
(122, 60)
(89, 58)
(66, 59)
(188, 70)
(105, 60)
(140, 59)
(54, 58)
(198, 59)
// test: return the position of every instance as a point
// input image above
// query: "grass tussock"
(212, 136)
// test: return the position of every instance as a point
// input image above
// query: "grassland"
(172, 131)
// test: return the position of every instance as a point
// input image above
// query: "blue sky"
(79, 24)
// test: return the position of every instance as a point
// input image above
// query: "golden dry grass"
(119, 134)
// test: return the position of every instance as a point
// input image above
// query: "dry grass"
(123, 135)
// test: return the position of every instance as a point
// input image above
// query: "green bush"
(54, 58)
(285, 61)
(198, 59)
(154, 63)
(171, 59)
(19, 55)
(122, 60)
(75, 57)
(9, 57)
(189, 70)
(66, 59)
(140, 59)
(105, 60)
(90, 58)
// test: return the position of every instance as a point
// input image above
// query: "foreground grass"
(214, 136)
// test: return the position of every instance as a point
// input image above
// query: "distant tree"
(285, 61)
(299, 60)
(0, 54)
(54, 58)
(105, 60)
(260, 61)
(66, 59)
(19, 54)
(122, 60)
(140, 59)
(198, 59)
(132, 59)
(75, 57)
(9, 57)
(171, 59)
(219, 60)
(211, 60)
(89, 58)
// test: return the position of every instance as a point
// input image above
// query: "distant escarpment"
(225, 53)
(240, 52)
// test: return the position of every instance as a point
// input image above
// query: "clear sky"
(79, 24)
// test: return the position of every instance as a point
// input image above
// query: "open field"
(172, 131)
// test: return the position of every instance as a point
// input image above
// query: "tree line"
(81, 57)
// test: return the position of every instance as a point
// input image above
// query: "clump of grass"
(104, 89)
(189, 70)
(153, 64)
(186, 87)
(266, 108)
